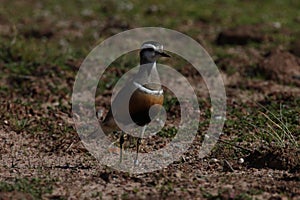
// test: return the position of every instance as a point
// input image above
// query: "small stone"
(178, 174)
(241, 160)
(276, 25)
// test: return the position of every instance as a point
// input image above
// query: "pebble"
(276, 25)
(241, 160)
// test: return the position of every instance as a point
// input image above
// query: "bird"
(143, 91)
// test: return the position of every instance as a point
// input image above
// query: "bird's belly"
(140, 104)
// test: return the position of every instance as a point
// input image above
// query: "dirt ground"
(42, 156)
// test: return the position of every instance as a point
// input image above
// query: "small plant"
(19, 125)
(277, 130)
(169, 102)
(168, 132)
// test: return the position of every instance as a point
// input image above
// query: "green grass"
(272, 124)
(35, 187)
(21, 53)
(168, 132)
(169, 102)
(280, 128)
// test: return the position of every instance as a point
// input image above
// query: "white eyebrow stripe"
(147, 90)
(145, 46)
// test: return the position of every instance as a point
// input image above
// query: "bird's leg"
(121, 145)
(136, 162)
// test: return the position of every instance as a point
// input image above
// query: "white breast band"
(147, 90)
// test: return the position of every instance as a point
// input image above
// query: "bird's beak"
(163, 54)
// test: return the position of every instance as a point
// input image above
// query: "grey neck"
(147, 69)
(148, 76)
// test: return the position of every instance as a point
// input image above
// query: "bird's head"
(151, 51)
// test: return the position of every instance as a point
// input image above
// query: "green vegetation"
(35, 187)
(168, 132)
(262, 126)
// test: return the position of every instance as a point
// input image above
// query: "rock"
(282, 67)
